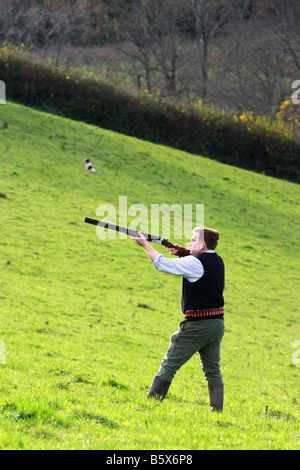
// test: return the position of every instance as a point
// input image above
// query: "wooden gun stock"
(181, 250)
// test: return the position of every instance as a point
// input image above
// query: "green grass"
(86, 322)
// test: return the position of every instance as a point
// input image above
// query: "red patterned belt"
(204, 313)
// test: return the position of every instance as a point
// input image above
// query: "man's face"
(196, 246)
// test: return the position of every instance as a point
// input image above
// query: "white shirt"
(189, 267)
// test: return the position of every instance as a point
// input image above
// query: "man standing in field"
(202, 303)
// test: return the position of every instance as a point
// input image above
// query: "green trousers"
(204, 337)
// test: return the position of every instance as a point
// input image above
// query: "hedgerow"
(237, 140)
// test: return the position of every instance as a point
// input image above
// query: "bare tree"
(208, 17)
(14, 20)
(253, 66)
(285, 21)
(135, 35)
(149, 36)
(167, 39)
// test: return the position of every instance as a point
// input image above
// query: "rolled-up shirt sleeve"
(189, 266)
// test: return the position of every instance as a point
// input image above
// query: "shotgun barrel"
(134, 233)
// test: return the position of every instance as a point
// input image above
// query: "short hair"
(209, 235)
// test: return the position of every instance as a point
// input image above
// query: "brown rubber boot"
(159, 388)
(216, 394)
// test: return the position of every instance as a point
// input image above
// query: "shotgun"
(133, 233)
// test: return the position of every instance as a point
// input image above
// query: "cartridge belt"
(204, 313)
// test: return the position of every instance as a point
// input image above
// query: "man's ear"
(204, 246)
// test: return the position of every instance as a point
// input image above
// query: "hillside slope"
(86, 321)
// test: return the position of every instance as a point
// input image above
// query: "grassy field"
(85, 322)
